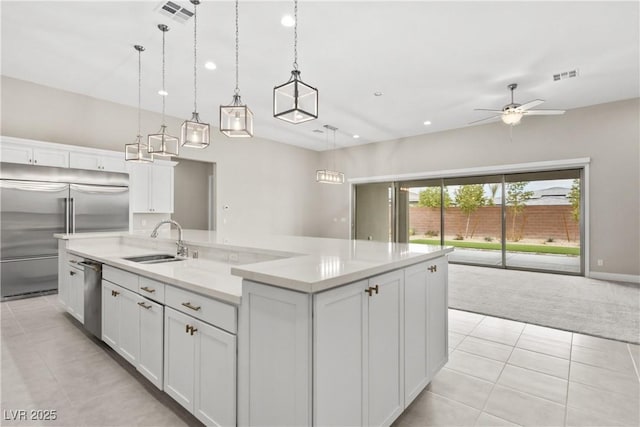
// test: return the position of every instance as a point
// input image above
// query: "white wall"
(609, 134)
(268, 186)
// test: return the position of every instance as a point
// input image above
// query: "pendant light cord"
(164, 96)
(195, 57)
(295, 34)
(237, 90)
(139, 89)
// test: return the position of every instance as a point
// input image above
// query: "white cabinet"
(200, 368)
(103, 161)
(28, 154)
(416, 370)
(133, 326)
(151, 188)
(120, 321)
(74, 293)
(358, 365)
(438, 325)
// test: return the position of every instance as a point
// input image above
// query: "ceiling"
(433, 61)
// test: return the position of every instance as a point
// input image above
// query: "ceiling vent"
(565, 75)
(174, 11)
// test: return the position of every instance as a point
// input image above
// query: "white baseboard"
(631, 278)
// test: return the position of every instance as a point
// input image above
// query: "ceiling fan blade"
(483, 120)
(543, 112)
(486, 109)
(530, 104)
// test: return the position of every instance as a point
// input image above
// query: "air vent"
(174, 11)
(565, 75)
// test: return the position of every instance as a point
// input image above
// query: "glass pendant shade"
(236, 120)
(295, 101)
(163, 144)
(137, 152)
(195, 134)
(326, 176)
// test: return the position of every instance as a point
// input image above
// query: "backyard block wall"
(535, 222)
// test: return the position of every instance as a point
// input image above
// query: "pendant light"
(236, 119)
(194, 133)
(295, 101)
(138, 152)
(327, 176)
(161, 143)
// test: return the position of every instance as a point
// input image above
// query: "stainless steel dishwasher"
(92, 297)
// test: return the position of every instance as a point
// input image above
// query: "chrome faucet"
(183, 250)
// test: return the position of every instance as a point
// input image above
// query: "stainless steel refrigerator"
(38, 201)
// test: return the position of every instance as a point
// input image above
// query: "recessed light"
(163, 92)
(356, 136)
(427, 123)
(288, 21)
(210, 65)
(377, 93)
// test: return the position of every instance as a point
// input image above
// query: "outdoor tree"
(517, 198)
(574, 198)
(430, 198)
(469, 198)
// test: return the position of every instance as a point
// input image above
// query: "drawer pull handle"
(143, 305)
(192, 307)
(190, 329)
(193, 330)
(115, 293)
(186, 329)
(371, 289)
(433, 268)
(150, 290)
(72, 273)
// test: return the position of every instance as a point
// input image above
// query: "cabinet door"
(438, 315)
(50, 157)
(179, 357)
(215, 376)
(161, 189)
(76, 294)
(110, 316)
(113, 164)
(340, 342)
(139, 187)
(128, 345)
(385, 365)
(16, 153)
(151, 340)
(84, 161)
(415, 331)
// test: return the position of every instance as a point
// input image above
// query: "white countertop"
(306, 264)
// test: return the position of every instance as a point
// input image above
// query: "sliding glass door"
(529, 221)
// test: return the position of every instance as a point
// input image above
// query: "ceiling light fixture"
(138, 151)
(210, 65)
(195, 134)
(427, 123)
(327, 176)
(356, 136)
(377, 93)
(161, 143)
(287, 21)
(295, 101)
(236, 119)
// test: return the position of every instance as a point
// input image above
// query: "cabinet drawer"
(74, 259)
(151, 289)
(120, 277)
(207, 309)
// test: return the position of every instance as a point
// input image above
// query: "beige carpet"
(577, 304)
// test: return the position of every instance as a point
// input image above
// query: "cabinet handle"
(186, 329)
(29, 160)
(150, 290)
(193, 330)
(35, 161)
(433, 268)
(115, 293)
(73, 273)
(371, 289)
(192, 307)
(143, 305)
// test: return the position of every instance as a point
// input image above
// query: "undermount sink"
(154, 259)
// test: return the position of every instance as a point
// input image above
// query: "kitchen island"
(326, 331)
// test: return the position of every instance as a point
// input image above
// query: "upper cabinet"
(33, 155)
(103, 162)
(151, 187)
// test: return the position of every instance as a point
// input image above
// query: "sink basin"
(154, 259)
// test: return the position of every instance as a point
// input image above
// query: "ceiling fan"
(512, 113)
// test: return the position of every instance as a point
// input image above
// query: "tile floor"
(500, 372)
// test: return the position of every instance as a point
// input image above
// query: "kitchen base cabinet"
(352, 355)
(133, 326)
(200, 368)
(75, 293)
